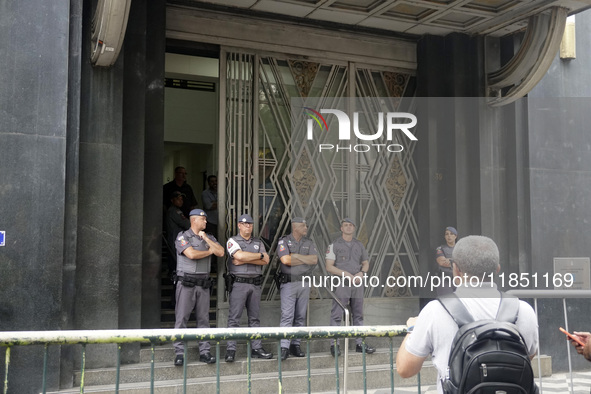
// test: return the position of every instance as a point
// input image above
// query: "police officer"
(247, 258)
(443, 258)
(347, 258)
(194, 249)
(298, 257)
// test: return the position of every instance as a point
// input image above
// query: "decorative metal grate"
(269, 162)
(239, 138)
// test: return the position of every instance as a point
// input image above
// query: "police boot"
(296, 351)
(230, 356)
(179, 360)
(332, 350)
(368, 349)
(261, 353)
(284, 353)
(207, 358)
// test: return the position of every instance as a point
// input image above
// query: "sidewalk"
(557, 383)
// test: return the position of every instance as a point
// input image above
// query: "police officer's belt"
(257, 280)
(189, 280)
(286, 278)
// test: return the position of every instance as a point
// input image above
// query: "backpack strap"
(508, 309)
(456, 309)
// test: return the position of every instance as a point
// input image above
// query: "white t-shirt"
(435, 329)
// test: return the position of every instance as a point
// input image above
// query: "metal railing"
(157, 336)
(563, 294)
(346, 348)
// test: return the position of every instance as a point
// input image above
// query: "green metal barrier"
(153, 337)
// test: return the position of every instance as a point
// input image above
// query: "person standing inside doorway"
(179, 183)
(176, 222)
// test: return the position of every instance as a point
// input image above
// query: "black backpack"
(487, 356)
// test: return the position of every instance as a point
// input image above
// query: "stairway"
(135, 378)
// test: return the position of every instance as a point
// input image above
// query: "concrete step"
(202, 378)
(165, 353)
(324, 379)
(136, 373)
(169, 314)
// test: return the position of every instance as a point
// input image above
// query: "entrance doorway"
(191, 141)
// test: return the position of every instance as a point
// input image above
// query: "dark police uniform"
(175, 223)
(192, 297)
(445, 251)
(244, 293)
(348, 257)
(294, 296)
(186, 189)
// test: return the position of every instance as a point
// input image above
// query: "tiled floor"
(557, 383)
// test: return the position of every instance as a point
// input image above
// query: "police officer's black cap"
(298, 220)
(246, 218)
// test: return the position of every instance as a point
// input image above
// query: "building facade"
(81, 146)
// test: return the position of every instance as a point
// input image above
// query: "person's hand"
(411, 321)
(352, 277)
(202, 234)
(583, 336)
(358, 278)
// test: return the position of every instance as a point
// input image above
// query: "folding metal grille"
(273, 174)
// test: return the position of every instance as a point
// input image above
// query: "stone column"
(33, 130)
(153, 153)
(469, 154)
(99, 197)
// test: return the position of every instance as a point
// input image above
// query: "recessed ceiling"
(439, 17)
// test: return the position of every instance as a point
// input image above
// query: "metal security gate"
(273, 176)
